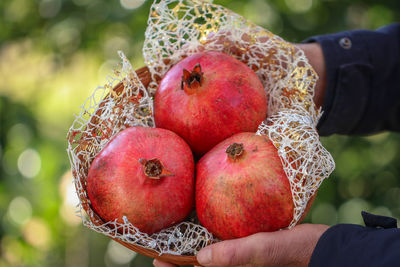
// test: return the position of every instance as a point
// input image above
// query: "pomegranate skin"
(250, 194)
(230, 99)
(118, 186)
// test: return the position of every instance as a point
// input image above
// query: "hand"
(292, 247)
(158, 263)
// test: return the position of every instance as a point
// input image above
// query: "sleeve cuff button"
(345, 43)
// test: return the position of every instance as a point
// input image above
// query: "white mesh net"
(176, 29)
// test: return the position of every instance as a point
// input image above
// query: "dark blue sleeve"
(363, 81)
(362, 97)
(344, 245)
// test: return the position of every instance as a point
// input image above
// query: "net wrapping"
(176, 29)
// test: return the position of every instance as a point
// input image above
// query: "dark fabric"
(363, 81)
(378, 221)
(354, 245)
(362, 97)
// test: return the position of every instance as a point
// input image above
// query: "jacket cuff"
(334, 248)
(347, 66)
(354, 245)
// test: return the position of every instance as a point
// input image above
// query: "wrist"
(315, 56)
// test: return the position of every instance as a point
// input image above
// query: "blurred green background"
(53, 54)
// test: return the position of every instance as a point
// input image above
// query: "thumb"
(232, 252)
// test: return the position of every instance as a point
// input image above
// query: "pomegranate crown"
(235, 150)
(191, 80)
(154, 169)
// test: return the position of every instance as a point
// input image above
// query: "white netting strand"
(176, 29)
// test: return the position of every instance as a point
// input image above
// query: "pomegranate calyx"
(191, 80)
(235, 150)
(154, 169)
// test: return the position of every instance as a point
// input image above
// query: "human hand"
(292, 247)
(158, 263)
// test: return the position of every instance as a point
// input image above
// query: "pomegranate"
(208, 97)
(145, 174)
(242, 189)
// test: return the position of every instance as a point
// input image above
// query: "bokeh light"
(9, 161)
(116, 37)
(262, 13)
(132, 4)
(114, 44)
(29, 163)
(17, 10)
(356, 15)
(49, 8)
(324, 213)
(19, 210)
(37, 233)
(66, 34)
(19, 136)
(299, 6)
(349, 212)
(118, 254)
(69, 207)
(382, 210)
(12, 249)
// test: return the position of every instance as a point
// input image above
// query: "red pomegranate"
(208, 97)
(145, 174)
(242, 189)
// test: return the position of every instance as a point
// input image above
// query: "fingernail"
(204, 256)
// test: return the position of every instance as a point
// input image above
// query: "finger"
(158, 263)
(235, 252)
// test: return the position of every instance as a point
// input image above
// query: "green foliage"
(53, 53)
